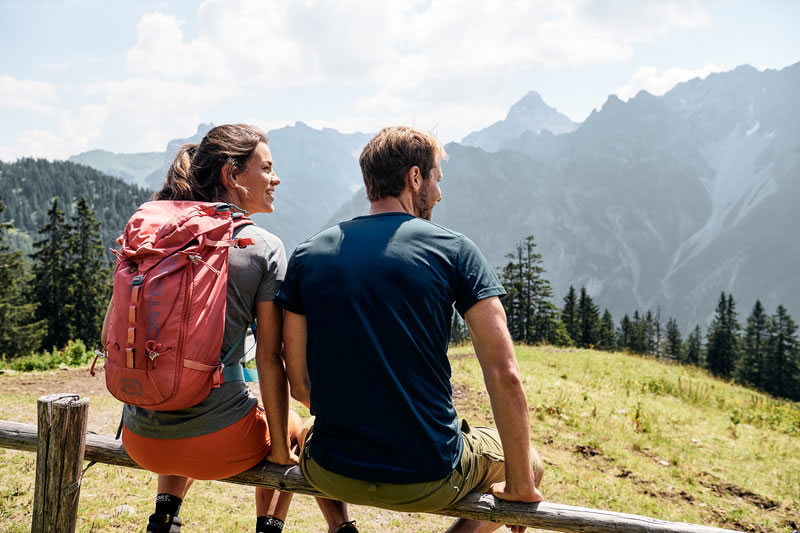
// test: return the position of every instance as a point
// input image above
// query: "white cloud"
(69, 135)
(403, 46)
(160, 51)
(429, 61)
(145, 112)
(657, 83)
(32, 95)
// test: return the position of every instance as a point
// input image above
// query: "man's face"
(429, 193)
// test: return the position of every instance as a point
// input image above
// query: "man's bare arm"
(294, 344)
(487, 326)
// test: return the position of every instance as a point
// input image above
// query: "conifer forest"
(762, 352)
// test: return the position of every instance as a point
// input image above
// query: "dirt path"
(20, 390)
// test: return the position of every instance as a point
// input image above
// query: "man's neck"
(392, 204)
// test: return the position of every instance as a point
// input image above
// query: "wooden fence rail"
(103, 449)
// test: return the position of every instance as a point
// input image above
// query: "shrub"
(73, 354)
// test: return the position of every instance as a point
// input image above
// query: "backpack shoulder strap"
(238, 372)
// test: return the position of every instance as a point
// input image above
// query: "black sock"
(268, 524)
(168, 504)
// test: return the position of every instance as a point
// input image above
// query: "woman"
(229, 431)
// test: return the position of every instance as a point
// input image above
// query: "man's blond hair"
(387, 158)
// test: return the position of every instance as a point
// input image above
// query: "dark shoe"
(164, 523)
(347, 527)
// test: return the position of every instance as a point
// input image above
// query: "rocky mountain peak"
(529, 114)
(527, 106)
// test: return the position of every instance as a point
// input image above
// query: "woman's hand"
(282, 457)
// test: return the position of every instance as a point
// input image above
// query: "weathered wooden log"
(544, 515)
(59, 457)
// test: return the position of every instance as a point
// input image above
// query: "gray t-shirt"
(255, 274)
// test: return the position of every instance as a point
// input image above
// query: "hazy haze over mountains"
(654, 202)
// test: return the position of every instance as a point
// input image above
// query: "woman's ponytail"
(178, 185)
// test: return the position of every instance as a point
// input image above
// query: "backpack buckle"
(137, 280)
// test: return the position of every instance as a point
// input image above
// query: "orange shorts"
(218, 455)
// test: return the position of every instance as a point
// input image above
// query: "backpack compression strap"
(136, 285)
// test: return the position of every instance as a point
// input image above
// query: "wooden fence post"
(59, 458)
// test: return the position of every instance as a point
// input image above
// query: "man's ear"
(414, 178)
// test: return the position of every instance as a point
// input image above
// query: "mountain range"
(654, 203)
(660, 202)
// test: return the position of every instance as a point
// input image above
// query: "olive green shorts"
(481, 465)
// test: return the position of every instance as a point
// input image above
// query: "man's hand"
(282, 457)
(501, 491)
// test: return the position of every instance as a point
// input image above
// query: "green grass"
(616, 432)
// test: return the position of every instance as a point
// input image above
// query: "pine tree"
(722, 339)
(20, 333)
(458, 330)
(606, 337)
(569, 316)
(674, 344)
(89, 285)
(750, 369)
(530, 314)
(511, 277)
(694, 348)
(658, 336)
(782, 369)
(639, 334)
(589, 321)
(542, 317)
(650, 333)
(625, 333)
(558, 336)
(51, 277)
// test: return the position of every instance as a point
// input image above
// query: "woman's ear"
(228, 177)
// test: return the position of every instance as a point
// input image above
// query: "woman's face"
(253, 188)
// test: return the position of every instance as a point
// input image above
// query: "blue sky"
(129, 76)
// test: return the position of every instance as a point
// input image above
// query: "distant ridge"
(130, 167)
(145, 169)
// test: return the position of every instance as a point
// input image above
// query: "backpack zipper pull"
(152, 348)
(97, 355)
(194, 258)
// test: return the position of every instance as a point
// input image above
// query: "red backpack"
(168, 306)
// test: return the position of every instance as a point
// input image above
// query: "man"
(369, 306)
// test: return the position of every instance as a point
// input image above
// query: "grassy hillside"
(616, 432)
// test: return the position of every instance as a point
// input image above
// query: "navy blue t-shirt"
(378, 293)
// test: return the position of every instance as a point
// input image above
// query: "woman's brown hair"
(196, 172)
